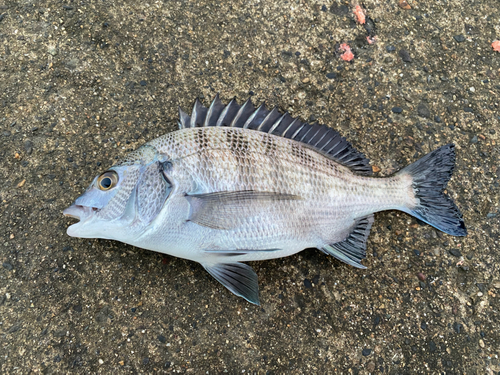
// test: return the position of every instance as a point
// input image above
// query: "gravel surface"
(83, 83)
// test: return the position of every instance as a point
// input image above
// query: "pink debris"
(371, 39)
(347, 55)
(360, 14)
(496, 45)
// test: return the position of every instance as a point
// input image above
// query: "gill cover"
(146, 189)
(153, 189)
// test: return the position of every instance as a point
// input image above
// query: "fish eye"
(107, 180)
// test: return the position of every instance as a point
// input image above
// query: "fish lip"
(84, 214)
(81, 213)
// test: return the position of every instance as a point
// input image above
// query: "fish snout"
(79, 212)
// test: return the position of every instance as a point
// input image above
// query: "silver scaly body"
(219, 159)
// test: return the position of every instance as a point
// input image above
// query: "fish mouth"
(84, 215)
(78, 212)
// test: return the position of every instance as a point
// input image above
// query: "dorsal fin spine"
(321, 138)
(241, 112)
(327, 144)
(194, 113)
(252, 116)
(211, 110)
(198, 115)
(306, 133)
(223, 114)
(289, 127)
(335, 145)
(311, 137)
(297, 131)
(184, 119)
(276, 123)
(269, 115)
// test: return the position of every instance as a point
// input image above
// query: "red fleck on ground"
(421, 276)
(496, 45)
(360, 14)
(371, 39)
(347, 55)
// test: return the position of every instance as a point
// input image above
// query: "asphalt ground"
(83, 83)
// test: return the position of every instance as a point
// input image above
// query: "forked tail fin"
(430, 175)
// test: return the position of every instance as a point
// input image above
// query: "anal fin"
(353, 249)
(239, 278)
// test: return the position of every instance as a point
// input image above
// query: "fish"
(236, 183)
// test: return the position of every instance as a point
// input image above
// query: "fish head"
(122, 202)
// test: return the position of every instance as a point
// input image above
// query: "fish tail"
(430, 176)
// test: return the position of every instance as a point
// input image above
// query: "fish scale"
(236, 183)
(294, 160)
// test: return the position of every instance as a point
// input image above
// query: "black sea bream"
(237, 184)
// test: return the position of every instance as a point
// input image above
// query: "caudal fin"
(430, 175)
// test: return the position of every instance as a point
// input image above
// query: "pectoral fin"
(229, 209)
(239, 278)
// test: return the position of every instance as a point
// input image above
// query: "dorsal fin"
(320, 137)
